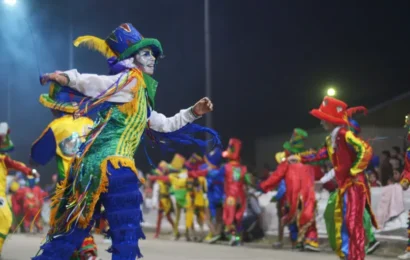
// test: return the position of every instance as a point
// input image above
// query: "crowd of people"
(98, 182)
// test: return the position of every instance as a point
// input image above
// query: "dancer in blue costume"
(215, 192)
(104, 171)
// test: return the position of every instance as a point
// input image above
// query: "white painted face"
(145, 60)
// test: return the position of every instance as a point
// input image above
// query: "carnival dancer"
(110, 146)
(162, 198)
(283, 209)
(6, 163)
(30, 199)
(61, 139)
(350, 156)
(300, 193)
(179, 185)
(215, 194)
(405, 183)
(197, 202)
(236, 177)
(372, 243)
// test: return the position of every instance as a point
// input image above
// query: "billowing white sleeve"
(328, 176)
(92, 85)
(161, 123)
(155, 194)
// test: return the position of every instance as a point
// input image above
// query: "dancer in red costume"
(236, 178)
(31, 199)
(300, 192)
(350, 156)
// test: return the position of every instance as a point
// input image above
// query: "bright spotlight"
(331, 92)
(10, 2)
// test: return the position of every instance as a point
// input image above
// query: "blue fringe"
(185, 136)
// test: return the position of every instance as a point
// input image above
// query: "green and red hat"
(296, 144)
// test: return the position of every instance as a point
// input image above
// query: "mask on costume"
(145, 60)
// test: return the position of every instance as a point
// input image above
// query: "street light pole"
(8, 101)
(70, 40)
(208, 75)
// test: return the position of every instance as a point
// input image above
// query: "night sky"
(271, 60)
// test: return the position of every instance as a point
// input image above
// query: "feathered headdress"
(95, 44)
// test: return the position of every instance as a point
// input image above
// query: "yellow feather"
(96, 44)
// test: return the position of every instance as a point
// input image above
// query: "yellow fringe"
(132, 106)
(96, 44)
(56, 199)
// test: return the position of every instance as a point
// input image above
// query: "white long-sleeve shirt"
(92, 85)
(328, 176)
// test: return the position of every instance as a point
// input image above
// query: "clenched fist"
(203, 106)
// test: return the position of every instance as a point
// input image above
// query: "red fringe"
(354, 110)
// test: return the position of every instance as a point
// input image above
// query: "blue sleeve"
(281, 190)
(44, 148)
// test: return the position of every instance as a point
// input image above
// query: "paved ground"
(22, 247)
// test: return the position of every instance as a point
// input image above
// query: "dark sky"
(271, 60)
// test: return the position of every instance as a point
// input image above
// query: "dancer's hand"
(57, 76)
(203, 106)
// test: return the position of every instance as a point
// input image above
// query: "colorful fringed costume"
(103, 171)
(372, 243)
(61, 140)
(6, 163)
(405, 183)
(300, 193)
(350, 156)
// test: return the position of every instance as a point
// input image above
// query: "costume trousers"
(351, 242)
(122, 205)
(6, 219)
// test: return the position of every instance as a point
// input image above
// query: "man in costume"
(405, 183)
(283, 209)
(300, 193)
(236, 177)
(61, 139)
(372, 243)
(197, 202)
(111, 144)
(6, 164)
(162, 197)
(350, 156)
(215, 194)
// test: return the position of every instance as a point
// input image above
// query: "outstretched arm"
(274, 179)
(161, 123)
(16, 165)
(314, 157)
(328, 176)
(119, 87)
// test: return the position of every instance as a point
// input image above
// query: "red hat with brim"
(332, 111)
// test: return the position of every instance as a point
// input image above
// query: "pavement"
(22, 247)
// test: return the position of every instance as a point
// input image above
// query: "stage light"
(10, 2)
(331, 92)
